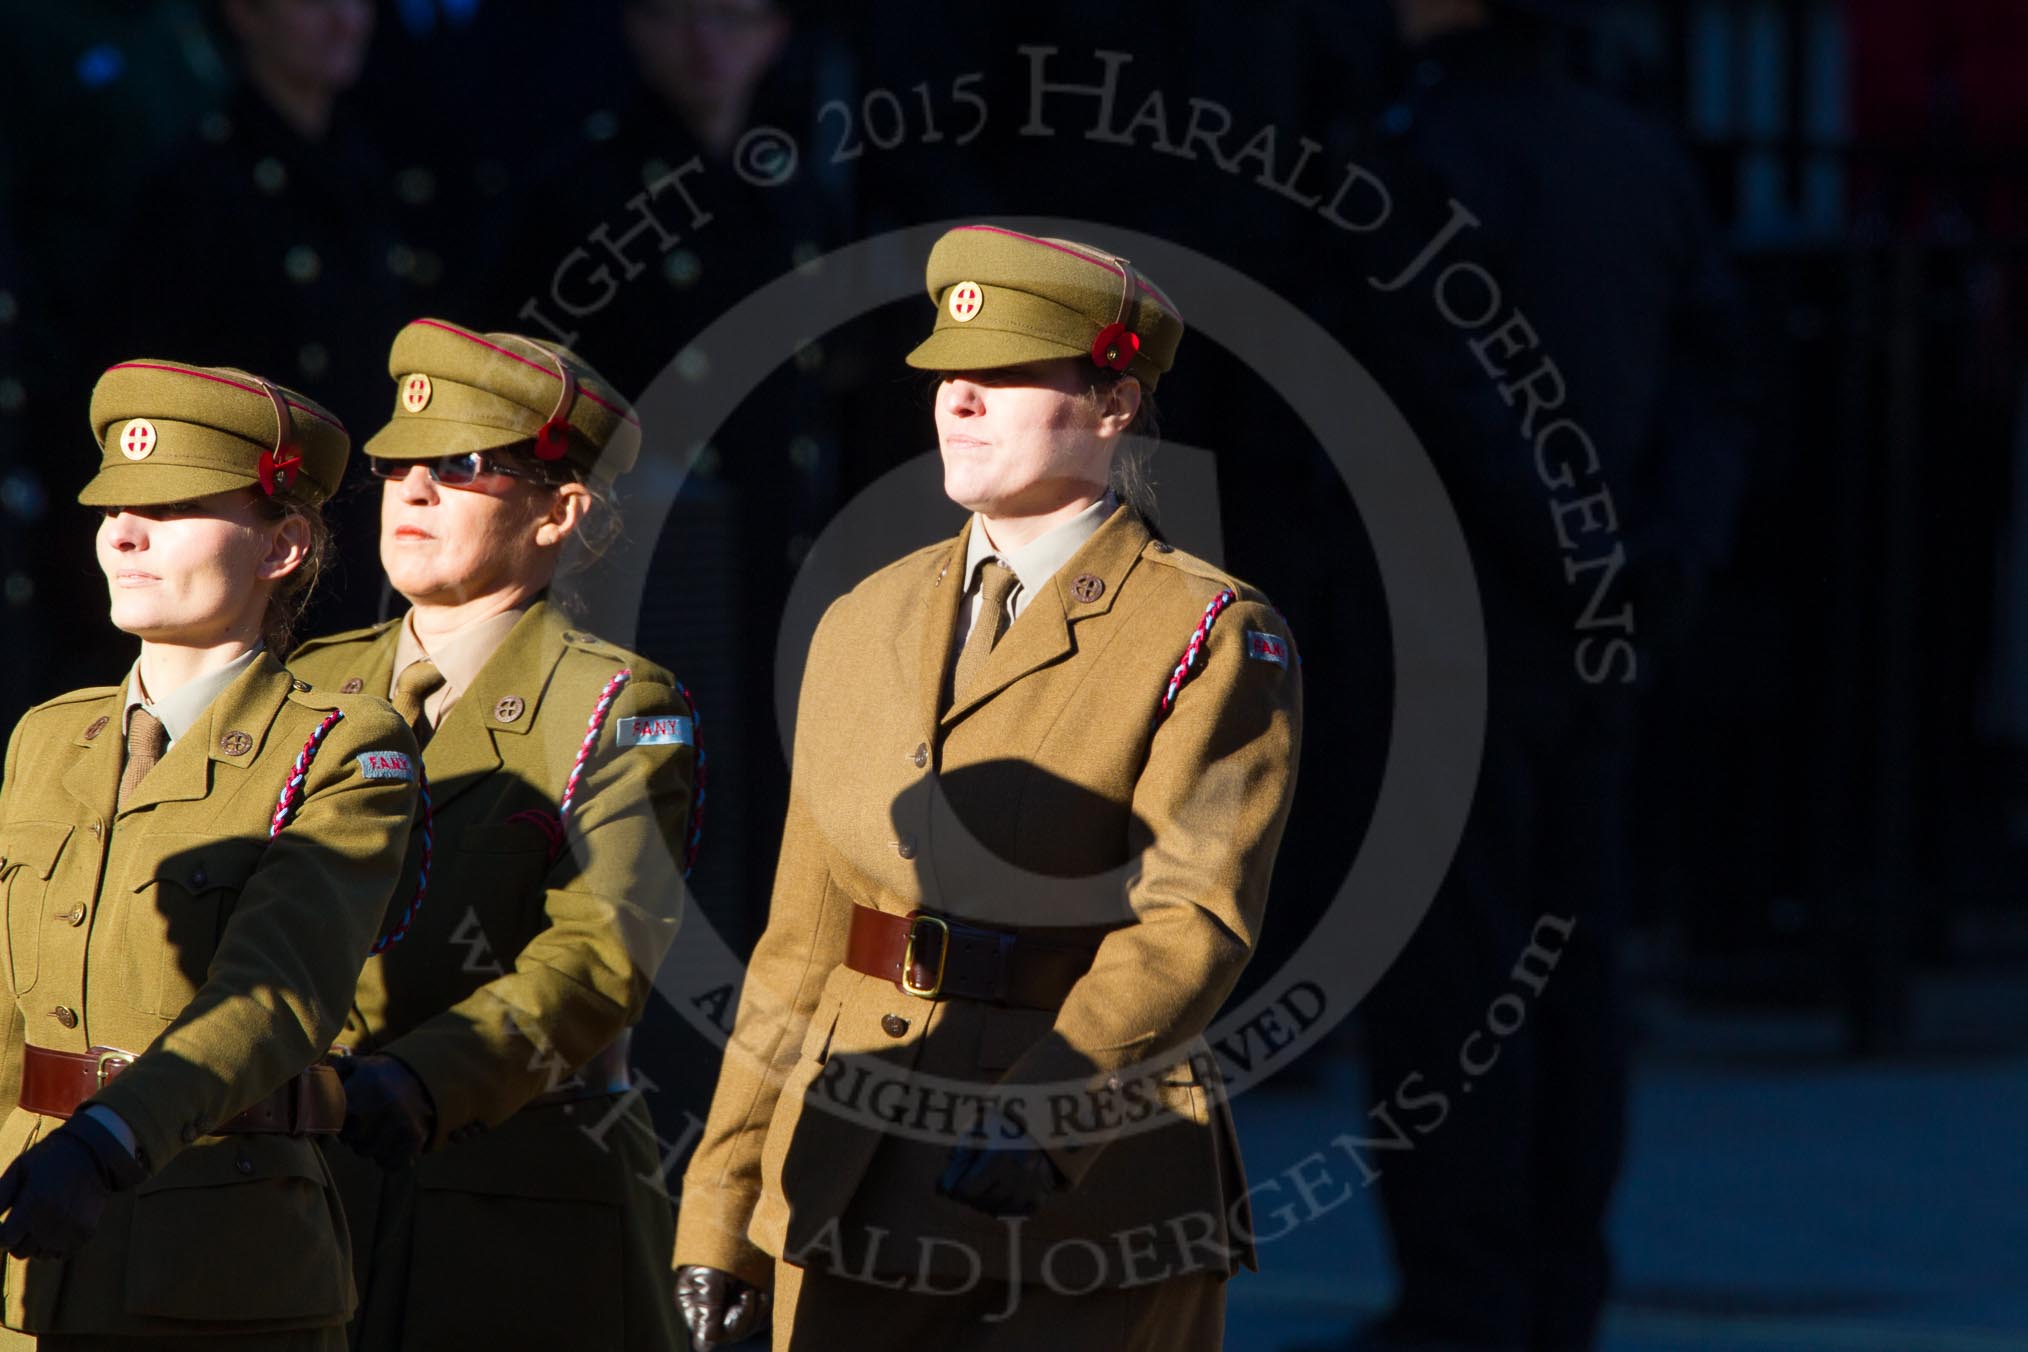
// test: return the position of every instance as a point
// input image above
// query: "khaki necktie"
(996, 583)
(417, 682)
(147, 739)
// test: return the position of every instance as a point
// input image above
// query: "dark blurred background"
(1775, 246)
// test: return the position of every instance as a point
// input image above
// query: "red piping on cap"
(221, 380)
(1142, 282)
(628, 418)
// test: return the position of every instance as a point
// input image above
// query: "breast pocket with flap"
(183, 890)
(28, 855)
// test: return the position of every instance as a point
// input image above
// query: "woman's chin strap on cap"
(282, 465)
(1117, 345)
(553, 441)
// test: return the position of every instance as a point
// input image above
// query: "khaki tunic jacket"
(177, 929)
(1057, 798)
(521, 966)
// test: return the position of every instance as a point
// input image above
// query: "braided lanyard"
(1188, 664)
(292, 798)
(553, 826)
(600, 709)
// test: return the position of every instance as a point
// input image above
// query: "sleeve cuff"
(711, 1232)
(117, 1125)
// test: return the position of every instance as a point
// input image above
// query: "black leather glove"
(717, 1307)
(56, 1190)
(1000, 1176)
(389, 1117)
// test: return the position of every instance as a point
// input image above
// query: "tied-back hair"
(291, 596)
(597, 533)
(1132, 477)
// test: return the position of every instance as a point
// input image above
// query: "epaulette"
(366, 635)
(90, 692)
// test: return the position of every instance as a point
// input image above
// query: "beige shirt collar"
(1035, 562)
(460, 657)
(179, 712)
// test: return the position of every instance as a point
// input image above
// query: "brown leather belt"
(53, 1084)
(936, 957)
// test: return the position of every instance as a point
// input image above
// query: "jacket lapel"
(1042, 634)
(94, 776)
(466, 748)
(936, 631)
(230, 732)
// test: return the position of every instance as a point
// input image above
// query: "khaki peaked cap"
(457, 391)
(168, 431)
(1004, 298)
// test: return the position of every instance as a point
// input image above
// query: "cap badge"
(137, 439)
(415, 392)
(965, 300)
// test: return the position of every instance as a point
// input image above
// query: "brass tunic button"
(302, 687)
(921, 756)
(1164, 547)
(75, 915)
(893, 1025)
(98, 828)
(905, 847)
(241, 1162)
(64, 1015)
(95, 727)
(198, 877)
(352, 686)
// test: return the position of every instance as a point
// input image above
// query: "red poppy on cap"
(1115, 347)
(552, 442)
(275, 470)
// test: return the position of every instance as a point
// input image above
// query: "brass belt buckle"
(935, 988)
(99, 1071)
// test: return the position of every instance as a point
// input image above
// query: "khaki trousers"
(817, 1311)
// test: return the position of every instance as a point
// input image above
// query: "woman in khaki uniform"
(507, 1191)
(192, 863)
(1040, 775)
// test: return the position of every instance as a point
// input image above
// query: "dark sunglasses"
(456, 471)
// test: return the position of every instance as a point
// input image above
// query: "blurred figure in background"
(700, 67)
(1615, 312)
(93, 95)
(703, 59)
(607, 259)
(275, 233)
